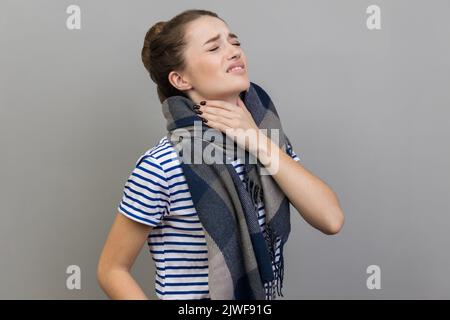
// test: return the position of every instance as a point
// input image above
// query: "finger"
(241, 104)
(218, 119)
(220, 104)
(217, 125)
(218, 112)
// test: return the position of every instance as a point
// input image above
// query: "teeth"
(235, 68)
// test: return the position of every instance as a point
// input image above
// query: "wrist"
(267, 150)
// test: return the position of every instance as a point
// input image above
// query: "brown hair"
(163, 50)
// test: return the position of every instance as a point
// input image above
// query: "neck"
(233, 99)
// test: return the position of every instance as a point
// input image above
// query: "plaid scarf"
(240, 256)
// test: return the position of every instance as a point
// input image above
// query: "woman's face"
(208, 61)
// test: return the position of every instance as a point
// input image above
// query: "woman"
(195, 56)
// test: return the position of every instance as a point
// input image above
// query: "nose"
(235, 56)
(236, 52)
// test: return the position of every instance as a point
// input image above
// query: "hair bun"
(153, 32)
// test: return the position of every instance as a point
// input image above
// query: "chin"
(247, 85)
(233, 87)
(242, 84)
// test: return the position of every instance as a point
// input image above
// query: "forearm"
(118, 284)
(313, 199)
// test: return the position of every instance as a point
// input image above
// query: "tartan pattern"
(240, 256)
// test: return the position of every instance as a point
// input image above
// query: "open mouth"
(236, 69)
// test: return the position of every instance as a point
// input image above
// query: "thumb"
(241, 104)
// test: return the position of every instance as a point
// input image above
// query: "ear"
(177, 80)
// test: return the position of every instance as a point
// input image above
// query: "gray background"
(367, 111)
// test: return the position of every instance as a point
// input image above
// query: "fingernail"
(204, 120)
(196, 106)
(203, 102)
(198, 111)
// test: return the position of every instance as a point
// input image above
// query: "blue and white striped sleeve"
(146, 193)
(290, 150)
(292, 153)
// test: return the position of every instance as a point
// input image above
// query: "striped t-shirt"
(157, 194)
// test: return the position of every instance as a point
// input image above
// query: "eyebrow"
(230, 35)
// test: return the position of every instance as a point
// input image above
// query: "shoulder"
(146, 193)
(157, 160)
(162, 164)
(155, 152)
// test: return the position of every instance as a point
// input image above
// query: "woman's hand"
(313, 199)
(234, 121)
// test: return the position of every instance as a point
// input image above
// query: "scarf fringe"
(256, 195)
(277, 283)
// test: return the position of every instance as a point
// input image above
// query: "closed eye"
(236, 44)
